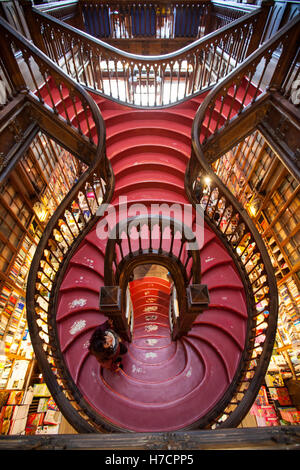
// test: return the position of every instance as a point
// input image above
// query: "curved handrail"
(231, 95)
(232, 224)
(231, 221)
(69, 223)
(148, 81)
(150, 239)
(38, 70)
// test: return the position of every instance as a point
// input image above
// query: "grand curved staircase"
(165, 384)
(209, 375)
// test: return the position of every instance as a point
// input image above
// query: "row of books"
(12, 319)
(19, 271)
(16, 416)
(273, 405)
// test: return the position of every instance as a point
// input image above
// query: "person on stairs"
(107, 347)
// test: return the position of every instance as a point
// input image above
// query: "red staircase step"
(162, 137)
(79, 277)
(148, 173)
(149, 155)
(213, 255)
(70, 302)
(137, 119)
(224, 275)
(137, 367)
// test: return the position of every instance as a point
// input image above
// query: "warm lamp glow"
(41, 211)
(252, 210)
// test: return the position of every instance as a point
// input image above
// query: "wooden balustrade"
(64, 10)
(63, 234)
(223, 13)
(250, 82)
(147, 81)
(234, 227)
(31, 76)
(35, 75)
(151, 240)
(160, 19)
(229, 219)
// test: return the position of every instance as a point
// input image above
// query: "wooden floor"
(268, 438)
(65, 428)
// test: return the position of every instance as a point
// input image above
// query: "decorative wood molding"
(271, 438)
(281, 127)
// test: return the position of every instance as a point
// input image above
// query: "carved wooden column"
(33, 26)
(265, 6)
(197, 297)
(111, 306)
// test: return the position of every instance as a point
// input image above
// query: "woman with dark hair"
(107, 347)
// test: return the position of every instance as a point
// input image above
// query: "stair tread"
(145, 417)
(71, 302)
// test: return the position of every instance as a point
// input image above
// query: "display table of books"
(30, 412)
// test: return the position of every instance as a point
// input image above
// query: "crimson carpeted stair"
(165, 385)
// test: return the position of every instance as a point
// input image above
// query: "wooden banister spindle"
(12, 69)
(33, 27)
(259, 26)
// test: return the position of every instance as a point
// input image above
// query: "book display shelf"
(29, 411)
(28, 198)
(270, 194)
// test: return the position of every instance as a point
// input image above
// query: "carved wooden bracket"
(111, 304)
(197, 298)
(110, 299)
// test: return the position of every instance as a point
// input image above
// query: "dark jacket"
(108, 357)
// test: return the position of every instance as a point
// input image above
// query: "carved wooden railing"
(72, 220)
(64, 10)
(152, 240)
(73, 217)
(132, 19)
(160, 19)
(231, 221)
(147, 81)
(234, 227)
(50, 89)
(250, 83)
(223, 13)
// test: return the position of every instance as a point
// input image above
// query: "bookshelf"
(270, 194)
(28, 198)
(30, 411)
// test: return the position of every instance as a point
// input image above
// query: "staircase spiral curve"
(165, 385)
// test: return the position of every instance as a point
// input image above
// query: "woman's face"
(108, 341)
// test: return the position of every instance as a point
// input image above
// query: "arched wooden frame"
(130, 261)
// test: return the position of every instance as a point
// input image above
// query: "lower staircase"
(165, 385)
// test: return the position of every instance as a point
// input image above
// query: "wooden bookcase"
(28, 198)
(270, 194)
